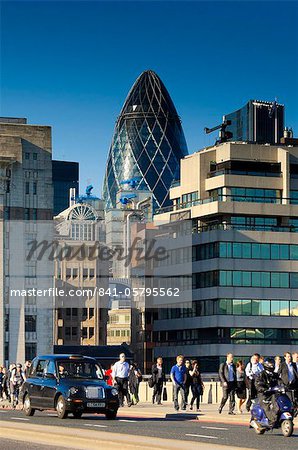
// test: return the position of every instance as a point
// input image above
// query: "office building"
(148, 143)
(65, 177)
(81, 274)
(26, 204)
(257, 121)
(232, 240)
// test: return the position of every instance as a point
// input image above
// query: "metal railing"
(225, 197)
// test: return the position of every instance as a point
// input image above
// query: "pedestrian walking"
(108, 374)
(227, 376)
(27, 368)
(277, 361)
(253, 368)
(178, 377)
(289, 375)
(134, 379)
(5, 384)
(1, 383)
(188, 380)
(17, 378)
(241, 385)
(197, 385)
(120, 374)
(159, 379)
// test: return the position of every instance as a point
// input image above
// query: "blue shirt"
(231, 372)
(178, 373)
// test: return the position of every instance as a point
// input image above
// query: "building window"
(27, 155)
(27, 187)
(34, 214)
(30, 351)
(35, 156)
(117, 333)
(85, 333)
(30, 323)
(91, 332)
(26, 214)
(34, 187)
(91, 313)
(255, 195)
(74, 332)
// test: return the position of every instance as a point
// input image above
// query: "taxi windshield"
(79, 369)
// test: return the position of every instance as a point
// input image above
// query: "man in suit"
(227, 376)
(287, 372)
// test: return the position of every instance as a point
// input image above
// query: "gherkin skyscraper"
(147, 144)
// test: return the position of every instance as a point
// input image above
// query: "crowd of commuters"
(185, 376)
(251, 382)
(11, 380)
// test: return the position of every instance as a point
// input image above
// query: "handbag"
(164, 394)
(151, 382)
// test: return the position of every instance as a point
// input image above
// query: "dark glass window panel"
(294, 280)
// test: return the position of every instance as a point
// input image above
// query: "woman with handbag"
(197, 385)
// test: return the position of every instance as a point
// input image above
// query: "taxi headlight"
(73, 390)
(114, 391)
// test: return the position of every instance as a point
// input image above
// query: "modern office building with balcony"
(234, 241)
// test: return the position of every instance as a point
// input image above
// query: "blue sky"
(71, 64)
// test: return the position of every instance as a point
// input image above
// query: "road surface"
(174, 426)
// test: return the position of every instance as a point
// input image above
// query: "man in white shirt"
(252, 369)
(120, 374)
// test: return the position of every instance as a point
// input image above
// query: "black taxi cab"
(69, 384)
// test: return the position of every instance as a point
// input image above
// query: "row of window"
(246, 250)
(27, 155)
(72, 333)
(73, 272)
(116, 318)
(230, 306)
(118, 333)
(74, 313)
(240, 250)
(226, 336)
(255, 195)
(243, 278)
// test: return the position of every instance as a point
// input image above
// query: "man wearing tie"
(227, 376)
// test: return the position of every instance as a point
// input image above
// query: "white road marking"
(95, 425)
(18, 418)
(52, 415)
(126, 420)
(202, 436)
(215, 428)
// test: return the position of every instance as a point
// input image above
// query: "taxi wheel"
(29, 411)
(111, 415)
(61, 408)
(77, 414)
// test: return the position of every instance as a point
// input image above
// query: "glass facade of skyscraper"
(148, 142)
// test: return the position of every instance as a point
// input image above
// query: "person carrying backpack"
(17, 378)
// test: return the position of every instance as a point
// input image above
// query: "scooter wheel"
(287, 428)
